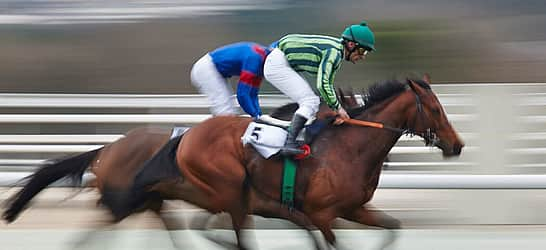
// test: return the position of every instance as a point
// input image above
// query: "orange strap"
(363, 123)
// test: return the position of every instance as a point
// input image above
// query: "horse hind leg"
(238, 211)
(156, 204)
(238, 219)
(377, 219)
(92, 237)
(180, 189)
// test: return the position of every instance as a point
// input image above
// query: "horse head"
(428, 119)
(410, 107)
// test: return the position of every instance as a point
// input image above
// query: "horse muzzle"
(450, 151)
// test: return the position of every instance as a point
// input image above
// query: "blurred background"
(148, 46)
(486, 59)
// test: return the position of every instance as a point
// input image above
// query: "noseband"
(431, 139)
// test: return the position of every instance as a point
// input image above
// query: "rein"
(373, 125)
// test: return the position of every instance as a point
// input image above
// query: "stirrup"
(299, 153)
(288, 151)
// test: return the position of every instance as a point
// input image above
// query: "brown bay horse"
(338, 179)
(344, 171)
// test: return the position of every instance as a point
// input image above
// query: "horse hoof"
(389, 239)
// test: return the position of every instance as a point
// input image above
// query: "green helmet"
(360, 34)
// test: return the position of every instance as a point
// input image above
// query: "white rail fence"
(503, 125)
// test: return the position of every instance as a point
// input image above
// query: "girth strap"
(288, 182)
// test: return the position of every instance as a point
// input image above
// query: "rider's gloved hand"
(341, 116)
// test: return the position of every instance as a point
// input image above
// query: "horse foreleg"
(323, 221)
(273, 209)
(377, 219)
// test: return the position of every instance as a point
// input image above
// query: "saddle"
(268, 135)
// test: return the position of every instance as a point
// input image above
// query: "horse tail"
(72, 167)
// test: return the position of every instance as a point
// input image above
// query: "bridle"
(431, 139)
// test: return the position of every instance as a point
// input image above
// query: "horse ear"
(426, 78)
(414, 86)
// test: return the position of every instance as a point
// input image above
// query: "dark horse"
(115, 166)
(336, 181)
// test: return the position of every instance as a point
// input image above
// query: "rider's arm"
(254, 95)
(248, 98)
(249, 86)
(328, 67)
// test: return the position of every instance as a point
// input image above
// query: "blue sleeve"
(247, 97)
(249, 85)
(254, 96)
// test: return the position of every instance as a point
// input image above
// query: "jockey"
(209, 75)
(320, 56)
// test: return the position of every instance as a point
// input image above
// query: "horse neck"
(370, 146)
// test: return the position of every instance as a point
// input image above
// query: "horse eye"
(436, 111)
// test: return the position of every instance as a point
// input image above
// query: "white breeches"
(206, 78)
(278, 72)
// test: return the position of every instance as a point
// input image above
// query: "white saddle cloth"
(266, 139)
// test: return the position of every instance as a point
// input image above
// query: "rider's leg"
(206, 78)
(278, 72)
(295, 127)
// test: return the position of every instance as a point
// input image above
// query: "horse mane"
(376, 93)
(286, 111)
(380, 91)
